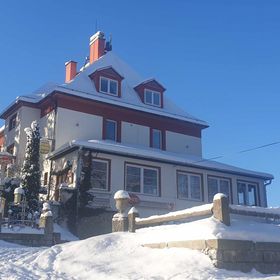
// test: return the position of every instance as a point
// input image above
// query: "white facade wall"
(26, 116)
(167, 201)
(72, 125)
(17, 136)
(180, 143)
(47, 125)
(135, 134)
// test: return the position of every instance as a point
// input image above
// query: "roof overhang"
(108, 147)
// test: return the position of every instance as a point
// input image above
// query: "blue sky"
(219, 60)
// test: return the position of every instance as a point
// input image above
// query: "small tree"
(30, 172)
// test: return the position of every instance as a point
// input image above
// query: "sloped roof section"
(158, 155)
(82, 86)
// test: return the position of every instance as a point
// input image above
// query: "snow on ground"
(121, 256)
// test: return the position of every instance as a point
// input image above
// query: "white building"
(132, 137)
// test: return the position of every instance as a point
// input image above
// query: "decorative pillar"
(120, 219)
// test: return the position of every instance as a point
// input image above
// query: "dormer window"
(151, 93)
(108, 86)
(152, 97)
(107, 81)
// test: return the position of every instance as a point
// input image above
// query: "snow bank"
(121, 256)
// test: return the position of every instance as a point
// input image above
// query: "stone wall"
(33, 240)
(229, 254)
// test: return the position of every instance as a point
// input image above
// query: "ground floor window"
(247, 193)
(189, 186)
(100, 174)
(217, 185)
(142, 179)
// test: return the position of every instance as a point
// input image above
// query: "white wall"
(26, 116)
(17, 136)
(158, 205)
(72, 125)
(135, 134)
(180, 143)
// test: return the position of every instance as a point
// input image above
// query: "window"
(13, 122)
(11, 149)
(247, 193)
(152, 97)
(217, 185)
(110, 130)
(156, 138)
(108, 86)
(189, 186)
(46, 177)
(141, 179)
(100, 174)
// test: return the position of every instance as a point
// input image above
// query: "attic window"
(152, 97)
(108, 86)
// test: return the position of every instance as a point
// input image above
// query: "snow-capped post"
(31, 173)
(120, 220)
(221, 209)
(18, 195)
(132, 214)
(46, 222)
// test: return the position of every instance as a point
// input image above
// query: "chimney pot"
(70, 70)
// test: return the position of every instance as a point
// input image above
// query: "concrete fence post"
(48, 230)
(221, 209)
(132, 214)
(120, 219)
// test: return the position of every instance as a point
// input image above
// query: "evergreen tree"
(30, 172)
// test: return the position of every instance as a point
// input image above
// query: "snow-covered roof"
(158, 155)
(83, 86)
(35, 97)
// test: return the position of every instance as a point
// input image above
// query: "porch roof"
(152, 154)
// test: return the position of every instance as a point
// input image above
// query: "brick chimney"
(97, 46)
(70, 70)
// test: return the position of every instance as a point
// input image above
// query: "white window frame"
(153, 93)
(116, 129)
(219, 185)
(160, 144)
(188, 174)
(142, 167)
(256, 185)
(108, 86)
(107, 174)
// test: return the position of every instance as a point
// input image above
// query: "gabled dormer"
(151, 93)
(107, 80)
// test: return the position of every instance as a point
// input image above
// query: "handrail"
(197, 211)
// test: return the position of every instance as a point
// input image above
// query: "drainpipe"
(266, 183)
